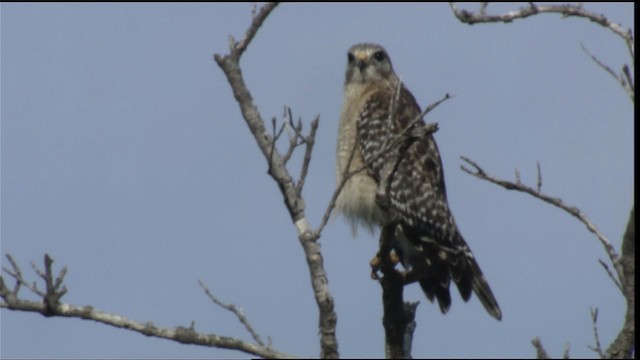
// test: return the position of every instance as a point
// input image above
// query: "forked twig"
(574, 211)
(236, 311)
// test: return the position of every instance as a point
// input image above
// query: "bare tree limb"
(541, 353)
(396, 319)
(625, 79)
(565, 353)
(624, 344)
(309, 141)
(51, 306)
(611, 276)
(557, 202)
(258, 18)
(594, 321)
(624, 265)
(236, 311)
(566, 10)
(277, 169)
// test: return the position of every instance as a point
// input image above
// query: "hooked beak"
(361, 58)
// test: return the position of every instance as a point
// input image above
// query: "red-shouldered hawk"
(376, 109)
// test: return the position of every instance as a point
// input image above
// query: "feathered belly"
(357, 202)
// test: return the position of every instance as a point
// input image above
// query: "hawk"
(377, 108)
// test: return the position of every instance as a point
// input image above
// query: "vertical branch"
(624, 344)
(395, 318)
(230, 65)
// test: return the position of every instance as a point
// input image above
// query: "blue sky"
(125, 157)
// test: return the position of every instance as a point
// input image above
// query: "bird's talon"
(375, 266)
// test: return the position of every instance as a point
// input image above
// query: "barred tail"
(482, 290)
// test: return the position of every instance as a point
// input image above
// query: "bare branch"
(430, 128)
(256, 23)
(566, 10)
(16, 274)
(625, 79)
(629, 77)
(293, 139)
(541, 353)
(565, 353)
(236, 311)
(624, 266)
(613, 278)
(276, 137)
(574, 211)
(345, 176)
(398, 315)
(483, 8)
(54, 288)
(309, 141)
(50, 306)
(539, 184)
(277, 170)
(179, 334)
(594, 320)
(624, 344)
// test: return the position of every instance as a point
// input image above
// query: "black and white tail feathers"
(466, 274)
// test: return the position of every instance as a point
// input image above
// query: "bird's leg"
(376, 263)
(386, 259)
(375, 266)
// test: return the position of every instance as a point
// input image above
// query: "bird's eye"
(350, 57)
(379, 55)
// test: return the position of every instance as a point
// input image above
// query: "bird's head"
(366, 63)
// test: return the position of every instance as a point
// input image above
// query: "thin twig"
(276, 136)
(539, 183)
(625, 79)
(594, 321)
(574, 211)
(309, 141)
(345, 176)
(405, 132)
(293, 139)
(566, 10)
(613, 278)
(541, 353)
(239, 47)
(567, 349)
(16, 274)
(236, 311)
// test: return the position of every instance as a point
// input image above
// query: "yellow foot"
(376, 263)
(375, 266)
